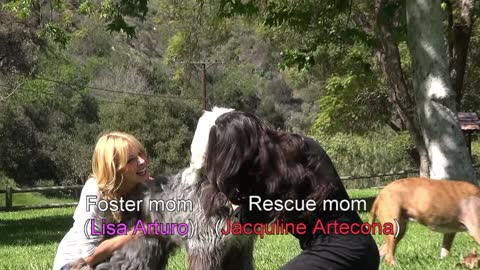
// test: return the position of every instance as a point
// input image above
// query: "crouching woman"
(119, 163)
(246, 158)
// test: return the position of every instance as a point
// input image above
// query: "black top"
(314, 151)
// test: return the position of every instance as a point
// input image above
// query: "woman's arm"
(106, 247)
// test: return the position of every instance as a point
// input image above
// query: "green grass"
(33, 198)
(29, 239)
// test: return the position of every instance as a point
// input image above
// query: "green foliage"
(313, 22)
(471, 98)
(475, 151)
(350, 106)
(57, 34)
(91, 40)
(229, 8)
(294, 58)
(303, 15)
(53, 119)
(164, 126)
(20, 7)
(271, 113)
(379, 151)
(113, 12)
(5, 181)
(21, 157)
(19, 44)
(237, 88)
(334, 59)
(355, 99)
(117, 23)
(86, 7)
(176, 47)
(47, 137)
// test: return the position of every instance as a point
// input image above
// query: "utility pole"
(204, 87)
(203, 67)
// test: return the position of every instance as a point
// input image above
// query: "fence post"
(8, 198)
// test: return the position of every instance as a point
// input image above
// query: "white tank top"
(79, 241)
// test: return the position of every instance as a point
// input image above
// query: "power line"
(109, 90)
(52, 94)
(112, 90)
(76, 98)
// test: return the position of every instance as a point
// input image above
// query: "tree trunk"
(388, 58)
(435, 99)
(424, 161)
(460, 32)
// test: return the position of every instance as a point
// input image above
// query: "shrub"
(377, 152)
(6, 181)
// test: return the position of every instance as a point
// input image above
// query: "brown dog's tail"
(373, 211)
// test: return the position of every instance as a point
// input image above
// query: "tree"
(436, 108)
(341, 22)
(390, 22)
(388, 17)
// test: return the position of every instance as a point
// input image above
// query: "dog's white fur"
(200, 142)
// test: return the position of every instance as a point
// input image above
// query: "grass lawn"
(31, 199)
(29, 239)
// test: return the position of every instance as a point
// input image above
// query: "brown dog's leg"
(476, 235)
(447, 244)
(402, 228)
(474, 231)
(390, 246)
(383, 249)
(390, 215)
(471, 218)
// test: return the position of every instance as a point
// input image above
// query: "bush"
(377, 152)
(6, 181)
(475, 151)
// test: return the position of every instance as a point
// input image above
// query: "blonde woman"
(119, 163)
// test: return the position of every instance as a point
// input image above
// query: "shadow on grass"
(32, 231)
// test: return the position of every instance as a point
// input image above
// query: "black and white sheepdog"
(206, 247)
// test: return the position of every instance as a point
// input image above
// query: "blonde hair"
(109, 160)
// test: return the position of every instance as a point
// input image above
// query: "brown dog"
(441, 205)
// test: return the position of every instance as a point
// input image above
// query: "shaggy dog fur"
(206, 247)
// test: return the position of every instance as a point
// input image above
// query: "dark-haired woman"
(247, 158)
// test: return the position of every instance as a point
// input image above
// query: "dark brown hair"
(246, 156)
